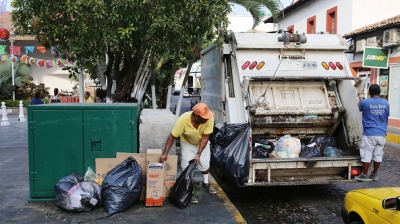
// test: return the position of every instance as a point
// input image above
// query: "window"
(331, 20)
(311, 25)
(291, 29)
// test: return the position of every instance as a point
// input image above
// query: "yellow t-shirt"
(184, 129)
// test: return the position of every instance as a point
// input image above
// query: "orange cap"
(203, 111)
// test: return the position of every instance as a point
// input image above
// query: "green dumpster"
(66, 138)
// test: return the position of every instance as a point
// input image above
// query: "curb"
(393, 138)
(237, 217)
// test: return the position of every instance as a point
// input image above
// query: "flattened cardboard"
(103, 165)
(171, 168)
(155, 184)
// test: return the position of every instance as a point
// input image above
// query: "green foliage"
(15, 103)
(85, 31)
(256, 8)
(28, 89)
(21, 74)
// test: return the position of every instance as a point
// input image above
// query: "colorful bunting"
(31, 60)
(15, 50)
(41, 49)
(2, 49)
(29, 49)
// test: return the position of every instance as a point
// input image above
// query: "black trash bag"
(323, 140)
(122, 186)
(331, 151)
(262, 150)
(231, 153)
(75, 194)
(310, 151)
(182, 191)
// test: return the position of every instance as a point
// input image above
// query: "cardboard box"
(170, 166)
(103, 165)
(155, 184)
(167, 188)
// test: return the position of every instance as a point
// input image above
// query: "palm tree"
(255, 7)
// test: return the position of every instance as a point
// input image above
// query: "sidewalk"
(14, 193)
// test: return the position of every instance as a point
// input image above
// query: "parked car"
(372, 205)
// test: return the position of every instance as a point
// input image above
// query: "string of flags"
(15, 51)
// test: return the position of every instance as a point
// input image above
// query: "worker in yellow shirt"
(88, 98)
(194, 129)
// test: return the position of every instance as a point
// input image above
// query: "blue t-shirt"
(375, 113)
(35, 101)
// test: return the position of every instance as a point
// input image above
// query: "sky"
(239, 10)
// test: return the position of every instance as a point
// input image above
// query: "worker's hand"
(197, 158)
(163, 158)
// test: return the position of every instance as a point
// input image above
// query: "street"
(306, 204)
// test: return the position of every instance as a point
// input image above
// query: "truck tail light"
(355, 171)
(259, 66)
(253, 65)
(340, 66)
(325, 65)
(333, 66)
(245, 65)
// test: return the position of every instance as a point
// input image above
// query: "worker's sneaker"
(362, 178)
(208, 187)
(194, 200)
(374, 177)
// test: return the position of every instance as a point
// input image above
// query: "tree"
(255, 7)
(135, 35)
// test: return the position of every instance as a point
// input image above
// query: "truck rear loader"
(287, 84)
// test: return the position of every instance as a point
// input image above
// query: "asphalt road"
(306, 204)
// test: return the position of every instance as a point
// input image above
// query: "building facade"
(382, 36)
(363, 23)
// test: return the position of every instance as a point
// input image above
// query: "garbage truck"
(286, 85)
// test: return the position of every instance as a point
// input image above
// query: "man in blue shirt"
(375, 113)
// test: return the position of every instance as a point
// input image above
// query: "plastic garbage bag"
(231, 153)
(331, 151)
(91, 175)
(287, 147)
(309, 151)
(182, 191)
(73, 193)
(122, 186)
(261, 148)
(323, 140)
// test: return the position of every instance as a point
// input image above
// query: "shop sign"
(375, 57)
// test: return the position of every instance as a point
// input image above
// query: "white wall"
(53, 77)
(352, 14)
(366, 12)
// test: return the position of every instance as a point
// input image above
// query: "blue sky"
(240, 10)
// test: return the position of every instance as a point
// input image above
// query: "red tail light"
(245, 65)
(253, 65)
(355, 171)
(340, 66)
(333, 66)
